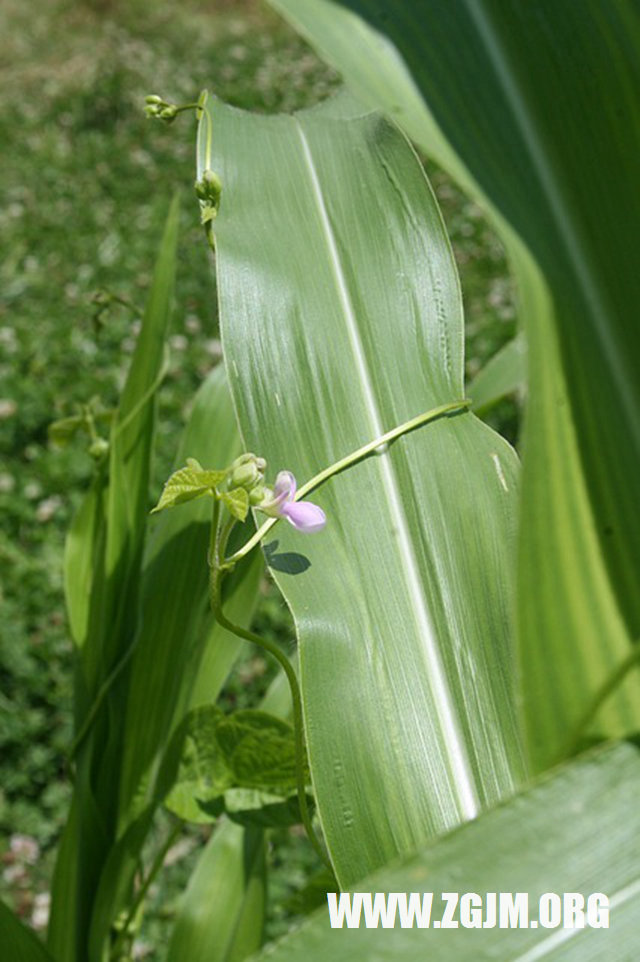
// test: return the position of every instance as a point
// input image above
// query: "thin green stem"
(212, 556)
(296, 699)
(181, 107)
(211, 241)
(125, 302)
(223, 539)
(602, 695)
(140, 896)
(378, 446)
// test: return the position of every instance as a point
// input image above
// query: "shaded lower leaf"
(204, 773)
(505, 373)
(226, 925)
(248, 807)
(260, 750)
(18, 943)
(248, 750)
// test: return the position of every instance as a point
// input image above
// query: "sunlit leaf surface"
(533, 107)
(341, 318)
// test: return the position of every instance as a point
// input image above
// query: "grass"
(86, 184)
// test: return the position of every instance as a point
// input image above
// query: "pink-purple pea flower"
(303, 515)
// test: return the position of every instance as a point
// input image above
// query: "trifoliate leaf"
(239, 764)
(246, 806)
(203, 773)
(259, 749)
(237, 501)
(188, 483)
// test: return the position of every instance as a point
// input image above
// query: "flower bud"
(246, 472)
(153, 99)
(98, 448)
(260, 494)
(209, 188)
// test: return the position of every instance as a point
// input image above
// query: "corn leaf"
(533, 108)
(102, 577)
(341, 318)
(222, 913)
(505, 373)
(20, 944)
(534, 844)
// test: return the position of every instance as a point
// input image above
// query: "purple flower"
(303, 515)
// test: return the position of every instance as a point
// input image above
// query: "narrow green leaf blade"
(20, 944)
(348, 324)
(181, 657)
(131, 442)
(83, 552)
(505, 373)
(226, 926)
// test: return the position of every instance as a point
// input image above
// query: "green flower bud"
(168, 113)
(246, 472)
(259, 494)
(153, 99)
(209, 188)
(98, 448)
(211, 179)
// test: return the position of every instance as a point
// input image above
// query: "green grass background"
(86, 180)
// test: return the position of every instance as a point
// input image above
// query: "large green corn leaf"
(533, 108)
(341, 318)
(534, 844)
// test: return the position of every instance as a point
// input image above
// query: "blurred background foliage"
(85, 188)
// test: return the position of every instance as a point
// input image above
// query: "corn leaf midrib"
(463, 779)
(380, 765)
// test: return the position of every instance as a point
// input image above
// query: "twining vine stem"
(219, 565)
(379, 446)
